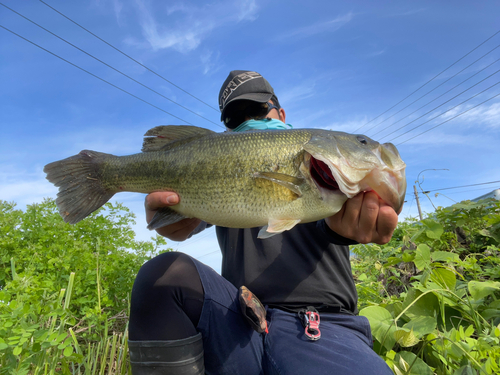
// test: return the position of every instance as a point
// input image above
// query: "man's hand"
(176, 232)
(365, 218)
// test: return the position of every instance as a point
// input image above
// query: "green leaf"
(405, 338)
(422, 325)
(407, 257)
(382, 325)
(464, 370)
(434, 230)
(416, 365)
(427, 305)
(17, 350)
(391, 261)
(443, 277)
(469, 331)
(362, 277)
(422, 257)
(61, 337)
(68, 351)
(444, 256)
(490, 314)
(481, 289)
(489, 233)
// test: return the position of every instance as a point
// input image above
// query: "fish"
(272, 179)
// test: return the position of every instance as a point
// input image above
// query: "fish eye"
(362, 140)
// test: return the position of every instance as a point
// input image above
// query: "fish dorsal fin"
(290, 182)
(166, 136)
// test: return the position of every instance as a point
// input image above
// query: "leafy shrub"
(64, 289)
(432, 298)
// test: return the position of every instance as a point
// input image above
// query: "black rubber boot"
(180, 357)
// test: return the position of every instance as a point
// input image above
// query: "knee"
(164, 270)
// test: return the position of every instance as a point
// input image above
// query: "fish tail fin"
(81, 191)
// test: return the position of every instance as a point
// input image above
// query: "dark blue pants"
(233, 347)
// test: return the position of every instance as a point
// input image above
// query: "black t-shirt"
(308, 265)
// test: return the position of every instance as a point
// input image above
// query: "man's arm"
(176, 232)
(365, 218)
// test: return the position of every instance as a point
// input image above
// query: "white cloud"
(117, 7)
(106, 139)
(434, 138)
(292, 95)
(185, 30)
(484, 114)
(248, 10)
(348, 126)
(318, 28)
(210, 61)
(376, 53)
(180, 7)
(23, 188)
(183, 39)
(406, 13)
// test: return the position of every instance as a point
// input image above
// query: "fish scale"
(237, 180)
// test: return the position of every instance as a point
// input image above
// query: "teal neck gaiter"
(264, 124)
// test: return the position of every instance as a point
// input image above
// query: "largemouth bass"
(270, 178)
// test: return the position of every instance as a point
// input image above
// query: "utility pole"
(418, 202)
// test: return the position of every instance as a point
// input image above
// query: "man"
(187, 319)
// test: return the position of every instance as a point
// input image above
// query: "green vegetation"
(64, 289)
(431, 294)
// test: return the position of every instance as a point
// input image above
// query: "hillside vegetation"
(64, 289)
(431, 294)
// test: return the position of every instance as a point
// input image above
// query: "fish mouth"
(331, 182)
(322, 175)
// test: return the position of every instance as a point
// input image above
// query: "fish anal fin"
(163, 217)
(276, 226)
(166, 136)
(290, 182)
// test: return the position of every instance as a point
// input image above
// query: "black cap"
(244, 84)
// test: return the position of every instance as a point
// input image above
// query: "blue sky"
(334, 65)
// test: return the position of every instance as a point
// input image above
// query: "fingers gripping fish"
(275, 178)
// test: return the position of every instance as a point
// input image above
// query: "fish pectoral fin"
(290, 182)
(163, 217)
(167, 136)
(276, 226)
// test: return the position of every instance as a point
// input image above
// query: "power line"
(210, 253)
(200, 236)
(442, 113)
(109, 66)
(394, 123)
(426, 113)
(458, 187)
(460, 114)
(409, 208)
(468, 53)
(131, 58)
(468, 66)
(93, 75)
(458, 192)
